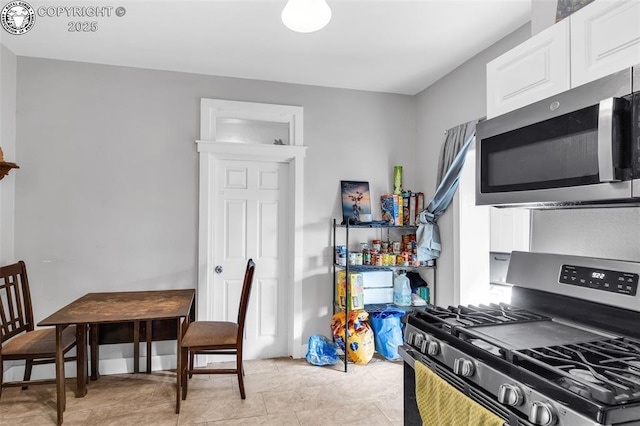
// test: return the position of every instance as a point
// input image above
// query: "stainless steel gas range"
(565, 351)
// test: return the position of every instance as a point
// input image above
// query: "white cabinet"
(605, 38)
(597, 40)
(534, 70)
(510, 229)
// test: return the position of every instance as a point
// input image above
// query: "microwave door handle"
(605, 141)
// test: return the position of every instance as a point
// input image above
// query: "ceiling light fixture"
(306, 16)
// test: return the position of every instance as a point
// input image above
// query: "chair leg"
(191, 364)
(27, 372)
(240, 371)
(184, 374)
(1, 374)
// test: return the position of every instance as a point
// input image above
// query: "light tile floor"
(280, 391)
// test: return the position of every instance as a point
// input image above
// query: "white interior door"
(251, 209)
(253, 135)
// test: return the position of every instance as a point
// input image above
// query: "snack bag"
(360, 339)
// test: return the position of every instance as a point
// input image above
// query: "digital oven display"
(600, 279)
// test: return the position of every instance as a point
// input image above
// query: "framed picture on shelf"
(356, 201)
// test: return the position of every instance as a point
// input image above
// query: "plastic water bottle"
(401, 290)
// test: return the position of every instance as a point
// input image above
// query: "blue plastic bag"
(387, 327)
(322, 351)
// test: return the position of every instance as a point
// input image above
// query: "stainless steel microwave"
(578, 148)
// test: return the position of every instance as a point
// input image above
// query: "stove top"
(580, 366)
(588, 362)
(572, 342)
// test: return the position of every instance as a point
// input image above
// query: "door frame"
(210, 150)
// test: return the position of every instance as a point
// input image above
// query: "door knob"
(218, 269)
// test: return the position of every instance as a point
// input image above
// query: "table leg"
(95, 351)
(178, 364)
(60, 395)
(81, 360)
(136, 346)
(149, 337)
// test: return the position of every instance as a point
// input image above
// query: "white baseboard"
(15, 372)
(114, 359)
(118, 359)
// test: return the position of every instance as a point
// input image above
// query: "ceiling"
(377, 45)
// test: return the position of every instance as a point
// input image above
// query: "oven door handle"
(411, 356)
(606, 166)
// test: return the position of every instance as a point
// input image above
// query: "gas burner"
(575, 387)
(605, 370)
(584, 375)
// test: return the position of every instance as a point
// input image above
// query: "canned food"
(364, 246)
(396, 247)
(358, 259)
(366, 257)
(376, 245)
(352, 258)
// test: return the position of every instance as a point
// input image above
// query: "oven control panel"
(600, 279)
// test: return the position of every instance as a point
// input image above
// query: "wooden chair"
(217, 338)
(18, 339)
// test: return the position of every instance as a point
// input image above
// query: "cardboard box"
(356, 290)
(390, 207)
(406, 207)
(413, 208)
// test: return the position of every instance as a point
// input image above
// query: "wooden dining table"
(93, 309)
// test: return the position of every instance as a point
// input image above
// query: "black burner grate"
(482, 315)
(606, 370)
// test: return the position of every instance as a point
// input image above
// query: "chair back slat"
(16, 312)
(244, 297)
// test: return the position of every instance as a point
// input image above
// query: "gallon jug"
(401, 290)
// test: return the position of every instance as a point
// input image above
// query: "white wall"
(107, 196)
(474, 237)
(8, 144)
(455, 99)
